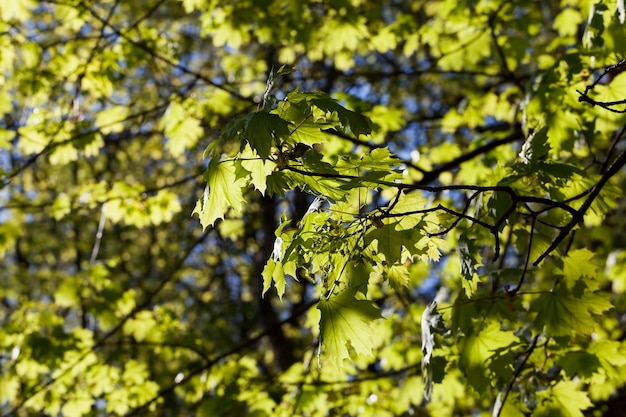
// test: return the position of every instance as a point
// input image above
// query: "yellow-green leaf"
(345, 321)
(224, 191)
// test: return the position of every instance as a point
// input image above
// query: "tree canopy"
(324, 207)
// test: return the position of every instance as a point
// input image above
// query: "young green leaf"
(398, 276)
(561, 313)
(345, 321)
(274, 272)
(355, 122)
(259, 169)
(577, 264)
(182, 130)
(479, 348)
(389, 241)
(565, 399)
(262, 129)
(224, 191)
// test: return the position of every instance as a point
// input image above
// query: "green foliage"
(346, 321)
(348, 162)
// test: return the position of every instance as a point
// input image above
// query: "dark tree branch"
(432, 175)
(607, 105)
(579, 214)
(527, 260)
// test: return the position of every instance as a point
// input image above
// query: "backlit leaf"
(274, 273)
(345, 321)
(577, 264)
(182, 130)
(561, 313)
(259, 169)
(224, 191)
(262, 129)
(565, 399)
(477, 349)
(356, 123)
(112, 119)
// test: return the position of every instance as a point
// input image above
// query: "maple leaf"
(398, 276)
(561, 313)
(274, 272)
(389, 240)
(310, 134)
(408, 202)
(258, 169)
(345, 320)
(563, 400)
(577, 264)
(261, 129)
(476, 349)
(357, 123)
(181, 130)
(224, 190)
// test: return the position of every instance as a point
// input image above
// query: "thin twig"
(527, 261)
(518, 371)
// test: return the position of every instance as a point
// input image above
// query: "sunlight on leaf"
(345, 321)
(224, 191)
(477, 349)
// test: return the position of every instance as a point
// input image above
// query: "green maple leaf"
(579, 363)
(406, 203)
(278, 183)
(389, 242)
(310, 134)
(233, 130)
(611, 353)
(295, 107)
(346, 321)
(258, 169)
(224, 190)
(274, 272)
(562, 400)
(561, 313)
(357, 123)
(261, 128)
(398, 276)
(478, 348)
(379, 158)
(577, 264)
(359, 273)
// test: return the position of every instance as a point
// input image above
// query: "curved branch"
(579, 215)
(450, 165)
